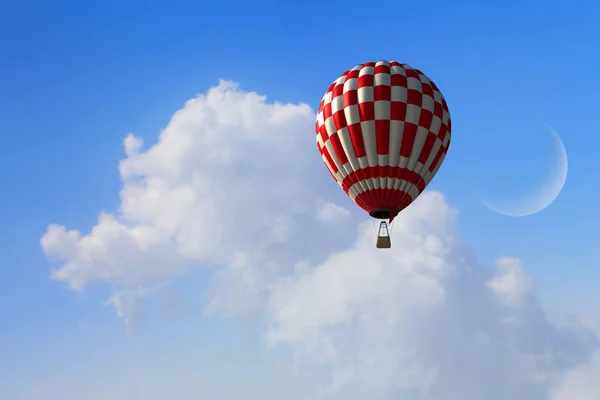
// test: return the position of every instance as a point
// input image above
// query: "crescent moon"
(546, 194)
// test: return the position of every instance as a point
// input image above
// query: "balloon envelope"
(383, 130)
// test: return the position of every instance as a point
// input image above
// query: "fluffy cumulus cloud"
(226, 182)
(582, 382)
(424, 321)
(331, 212)
(511, 285)
(235, 181)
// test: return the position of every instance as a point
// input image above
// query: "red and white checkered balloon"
(383, 130)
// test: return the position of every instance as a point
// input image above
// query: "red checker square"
(382, 134)
(357, 140)
(327, 111)
(411, 73)
(427, 147)
(339, 119)
(353, 74)
(330, 161)
(323, 132)
(397, 111)
(382, 69)
(382, 92)
(438, 109)
(351, 98)
(426, 89)
(338, 90)
(399, 80)
(414, 97)
(366, 80)
(338, 148)
(366, 110)
(442, 133)
(425, 119)
(408, 138)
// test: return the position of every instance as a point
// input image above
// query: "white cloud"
(582, 382)
(127, 303)
(331, 213)
(511, 284)
(420, 320)
(223, 182)
(235, 181)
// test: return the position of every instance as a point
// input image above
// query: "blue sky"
(77, 77)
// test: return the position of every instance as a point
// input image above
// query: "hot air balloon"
(383, 130)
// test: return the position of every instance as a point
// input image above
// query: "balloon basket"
(383, 237)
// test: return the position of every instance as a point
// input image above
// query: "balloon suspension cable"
(391, 226)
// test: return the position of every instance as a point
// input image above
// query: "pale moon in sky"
(543, 196)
